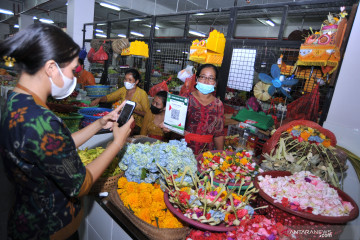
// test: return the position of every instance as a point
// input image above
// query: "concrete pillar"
(25, 20)
(78, 13)
(4, 30)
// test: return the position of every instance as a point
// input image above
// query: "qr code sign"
(175, 114)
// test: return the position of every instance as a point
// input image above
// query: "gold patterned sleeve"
(117, 95)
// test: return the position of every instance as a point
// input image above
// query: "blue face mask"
(205, 88)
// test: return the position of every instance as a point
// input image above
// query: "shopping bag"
(305, 107)
(159, 87)
(100, 56)
(189, 85)
(90, 55)
(185, 73)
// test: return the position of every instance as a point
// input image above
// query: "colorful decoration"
(9, 61)
(277, 81)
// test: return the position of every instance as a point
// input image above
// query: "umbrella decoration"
(277, 81)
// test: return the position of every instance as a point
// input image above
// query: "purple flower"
(207, 234)
(307, 179)
(230, 238)
(213, 193)
(271, 237)
(199, 213)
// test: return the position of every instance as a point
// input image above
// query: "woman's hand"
(165, 129)
(110, 119)
(122, 133)
(95, 102)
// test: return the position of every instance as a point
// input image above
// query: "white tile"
(119, 233)
(100, 221)
(92, 235)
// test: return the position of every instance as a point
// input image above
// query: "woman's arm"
(219, 142)
(144, 127)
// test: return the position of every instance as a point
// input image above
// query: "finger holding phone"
(108, 120)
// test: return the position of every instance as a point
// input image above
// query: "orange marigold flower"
(156, 186)
(145, 199)
(133, 200)
(305, 135)
(52, 144)
(224, 166)
(157, 206)
(243, 161)
(17, 116)
(326, 143)
(145, 187)
(131, 187)
(144, 214)
(122, 181)
(157, 195)
(159, 213)
(170, 222)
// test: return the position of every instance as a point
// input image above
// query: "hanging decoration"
(210, 50)
(277, 81)
(9, 61)
(137, 48)
(261, 91)
(323, 48)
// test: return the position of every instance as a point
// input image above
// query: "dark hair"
(37, 44)
(208, 65)
(135, 73)
(162, 95)
(81, 61)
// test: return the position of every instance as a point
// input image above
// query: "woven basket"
(97, 91)
(72, 121)
(149, 230)
(302, 220)
(61, 108)
(273, 141)
(88, 115)
(119, 44)
(105, 184)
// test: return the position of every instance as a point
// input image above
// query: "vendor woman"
(204, 128)
(131, 92)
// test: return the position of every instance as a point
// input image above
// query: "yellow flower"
(170, 221)
(243, 161)
(237, 197)
(157, 195)
(207, 154)
(144, 214)
(158, 213)
(122, 181)
(217, 172)
(158, 205)
(133, 200)
(297, 127)
(322, 136)
(206, 162)
(145, 187)
(310, 130)
(224, 166)
(131, 187)
(145, 199)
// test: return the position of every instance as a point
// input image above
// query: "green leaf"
(143, 173)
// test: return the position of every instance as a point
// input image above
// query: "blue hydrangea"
(249, 209)
(295, 133)
(217, 215)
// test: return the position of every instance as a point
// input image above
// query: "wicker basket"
(149, 230)
(72, 121)
(105, 184)
(97, 91)
(301, 220)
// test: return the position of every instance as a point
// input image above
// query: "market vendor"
(204, 128)
(153, 120)
(38, 151)
(85, 78)
(131, 92)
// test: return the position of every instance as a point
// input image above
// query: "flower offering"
(308, 134)
(140, 160)
(305, 192)
(146, 201)
(227, 165)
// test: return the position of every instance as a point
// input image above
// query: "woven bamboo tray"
(150, 231)
(105, 184)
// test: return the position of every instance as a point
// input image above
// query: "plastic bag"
(185, 73)
(159, 87)
(100, 56)
(189, 85)
(82, 53)
(90, 55)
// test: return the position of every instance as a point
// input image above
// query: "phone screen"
(125, 114)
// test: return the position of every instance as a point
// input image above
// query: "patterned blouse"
(40, 158)
(140, 97)
(204, 120)
(149, 128)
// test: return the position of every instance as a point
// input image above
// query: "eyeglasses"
(209, 79)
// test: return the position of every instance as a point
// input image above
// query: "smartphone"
(126, 112)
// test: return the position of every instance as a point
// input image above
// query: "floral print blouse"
(40, 158)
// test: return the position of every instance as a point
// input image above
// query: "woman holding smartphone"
(39, 152)
(131, 92)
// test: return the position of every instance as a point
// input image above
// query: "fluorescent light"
(148, 25)
(66, 3)
(4, 11)
(99, 30)
(271, 23)
(122, 35)
(137, 34)
(100, 35)
(200, 14)
(197, 33)
(113, 7)
(16, 26)
(44, 20)
(158, 50)
(34, 17)
(185, 52)
(136, 20)
(101, 24)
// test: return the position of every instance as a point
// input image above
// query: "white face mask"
(129, 86)
(66, 90)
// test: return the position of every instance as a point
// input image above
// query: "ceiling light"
(101, 24)
(34, 17)
(122, 35)
(113, 7)
(99, 30)
(4, 11)
(271, 23)
(199, 14)
(199, 34)
(148, 25)
(66, 3)
(16, 26)
(136, 20)
(100, 35)
(158, 50)
(137, 34)
(44, 20)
